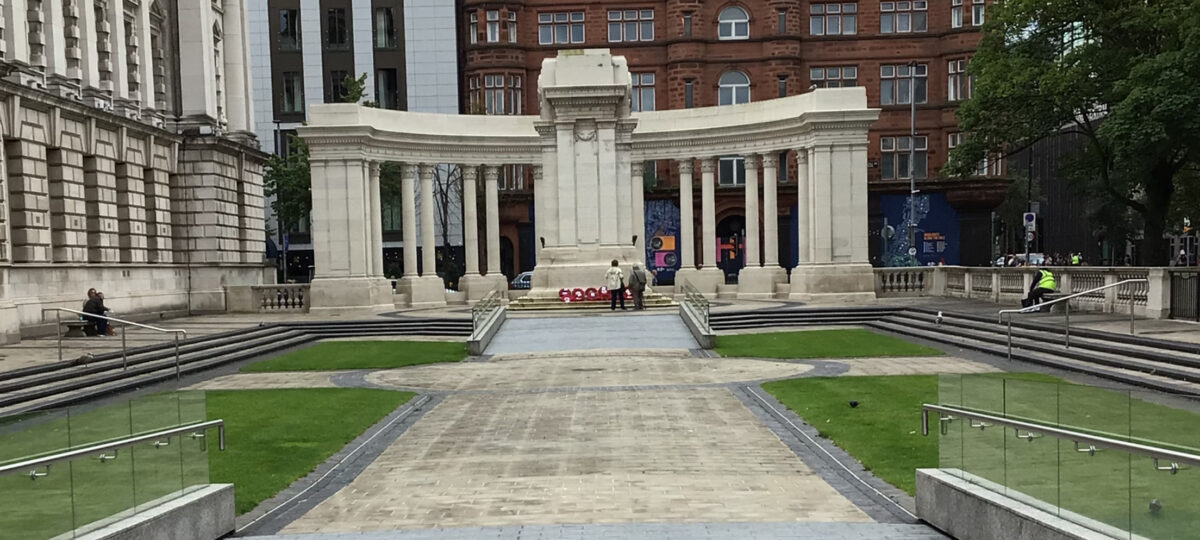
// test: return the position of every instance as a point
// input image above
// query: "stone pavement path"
(607, 331)
(648, 531)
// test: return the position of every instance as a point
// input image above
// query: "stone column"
(376, 219)
(234, 58)
(751, 255)
(491, 199)
(708, 277)
(428, 208)
(687, 237)
(708, 209)
(803, 208)
(770, 211)
(409, 216)
(470, 220)
(637, 182)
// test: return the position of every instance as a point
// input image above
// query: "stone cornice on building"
(43, 100)
(348, 131)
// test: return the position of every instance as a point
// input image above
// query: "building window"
(954, 78)
(987, 166)
(977, 12)
(643, 92)
(336, 31)
(687, 94)
(894, 84)
(514, 94)
(781, 22)
(493, 26)
(956, 13)
(293, 92)
(687, 25)
(902, 17)
(392, 218)
(631, 25)
(501, 94)
(387, 89)
(560, 28)
(733, 23)
(894, 154)
(733, 88)
(385, 29)
(833, 19)
(512, 27)
(337, 86)
(473, 27)
(782, 83)
(731, 171)
(289, 29)
(833, 77)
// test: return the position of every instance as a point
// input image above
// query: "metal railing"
(1067, 310)
(695, 301)
(124, 354)
(1084, 442)
(484, 308)
(98, 451)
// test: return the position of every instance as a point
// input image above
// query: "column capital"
(752, 161)
(685, 166)
(801, 155)
(708, 165)
(469, 172)
(491, 173)
(537, 174)
(769, 160)
(374, 167)
(638, 168)
(426, 171)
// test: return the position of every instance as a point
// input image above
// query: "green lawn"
(278, 436)
(883, 432)
(846, 343)
(336, 355)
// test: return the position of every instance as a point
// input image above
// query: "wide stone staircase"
(528, 303)
(73, 381)
(1163, 365)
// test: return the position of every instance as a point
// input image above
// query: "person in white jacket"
(614, 279)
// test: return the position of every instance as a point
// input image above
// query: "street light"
(912, 154)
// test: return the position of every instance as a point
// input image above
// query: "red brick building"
(694, 53)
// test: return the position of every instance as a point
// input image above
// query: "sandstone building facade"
(128, 162)
(693, 53)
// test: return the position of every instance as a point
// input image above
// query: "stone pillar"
(100, 181)
(638, 184)
(428, 289)
(68, 205)
(235, 57)
(770, 210)
(409, 217)
(492, 202)
(803, 208)
(428, 208)
(475, 285)
(341, 240)
(131, 211)
(376, 219)
(707, 278)
(756, 280)
(29, 204)
(158, 212)
(687, 223)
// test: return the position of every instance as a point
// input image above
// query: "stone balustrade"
(290, 297)
(1009, 285)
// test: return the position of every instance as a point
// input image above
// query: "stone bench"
(1056, 308)
(79, 328)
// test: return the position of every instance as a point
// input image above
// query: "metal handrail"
(196, 429)
(482, 309)
(1067, 310)
(1034, 431)
(693, 298)
(124, 355)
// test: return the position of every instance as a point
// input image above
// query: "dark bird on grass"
(853, 404)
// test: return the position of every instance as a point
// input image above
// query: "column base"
(350, 294)
(424, 291)
(758, 282)
(850, 283)
(706, 280)
(478, 286)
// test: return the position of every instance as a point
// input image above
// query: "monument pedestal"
(849, 283)
(424, 291)
(327, 295)
(705, 280)
(758, 282)
(478, 286)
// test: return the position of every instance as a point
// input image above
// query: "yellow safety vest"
(1046, 280)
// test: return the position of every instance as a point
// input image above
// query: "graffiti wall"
(662, 240)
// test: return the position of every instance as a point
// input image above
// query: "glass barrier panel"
(29, 435)
(1163, 505)
(102, 484)
(194, 447)
(1031, 458)
(983, 443)
(157, 471)
(1094, 484)
(38, 506)
(949, 429)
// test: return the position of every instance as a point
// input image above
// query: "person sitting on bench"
(1043, 283)
(95, 306)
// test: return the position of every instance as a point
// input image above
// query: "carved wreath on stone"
(585, 132)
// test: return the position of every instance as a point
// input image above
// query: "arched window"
(733, 23)
(158, 54)
(733, 88)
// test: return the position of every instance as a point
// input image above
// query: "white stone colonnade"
(587, 150)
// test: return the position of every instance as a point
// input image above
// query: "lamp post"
(912, 154)
(1028, 200)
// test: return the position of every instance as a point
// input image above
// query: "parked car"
(522, 281)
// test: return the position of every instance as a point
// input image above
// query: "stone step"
(530, 303)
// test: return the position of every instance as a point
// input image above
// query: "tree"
(1120, 74)
(287, 180)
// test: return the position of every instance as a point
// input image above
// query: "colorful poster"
(936, 230)
(662, 240)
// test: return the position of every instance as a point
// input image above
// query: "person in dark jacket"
(637, 282)
(95, 306)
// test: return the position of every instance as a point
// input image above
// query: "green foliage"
(847, 343)
(289, 181)
(1122, 75)
(355, 88)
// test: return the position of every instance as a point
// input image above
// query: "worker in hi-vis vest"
(1043, 283)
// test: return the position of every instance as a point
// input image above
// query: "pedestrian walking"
(637, 283)
(614, 279)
